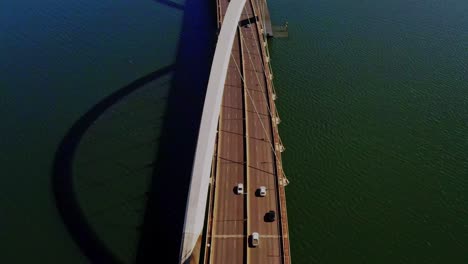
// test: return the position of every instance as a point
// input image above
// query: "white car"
(240, 188)
(255, 239)
(262, 191)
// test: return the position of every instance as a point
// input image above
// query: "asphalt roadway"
(245, 155)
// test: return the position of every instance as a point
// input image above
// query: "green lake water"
(374, 101)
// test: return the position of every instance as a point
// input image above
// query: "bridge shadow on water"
(164, 219)
(62, 175)
(162, 226)
(171, 4)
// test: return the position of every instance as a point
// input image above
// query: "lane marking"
(228, 236)
(243, 236)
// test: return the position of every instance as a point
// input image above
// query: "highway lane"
(245, 155)
(261, 163)
(228, 234)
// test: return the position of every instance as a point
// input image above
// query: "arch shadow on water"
(162, 226)
(164, 217)
(62, 177)
(171, 4)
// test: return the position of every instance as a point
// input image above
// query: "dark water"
(86, 90)
(374, 101)
(373, 96)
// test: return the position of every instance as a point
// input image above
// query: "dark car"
(270, 216)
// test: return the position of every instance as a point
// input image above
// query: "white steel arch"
(198, 191)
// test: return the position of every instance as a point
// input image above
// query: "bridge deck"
(244, 154)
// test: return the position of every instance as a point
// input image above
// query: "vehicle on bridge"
(262, 191)
(255, 239)
(240, 188)
(270, 216)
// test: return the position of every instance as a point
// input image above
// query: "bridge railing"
(281, 179)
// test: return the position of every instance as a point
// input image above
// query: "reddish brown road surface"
(245, 154)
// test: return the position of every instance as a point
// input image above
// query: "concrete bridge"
(238, 143)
